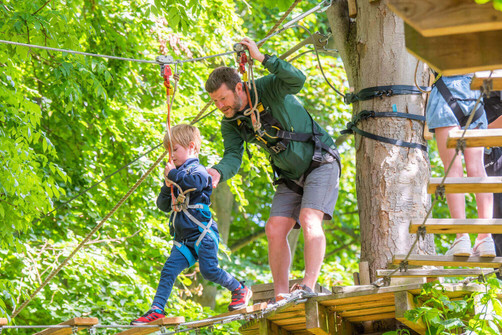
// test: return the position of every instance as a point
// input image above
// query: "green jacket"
(274, 91)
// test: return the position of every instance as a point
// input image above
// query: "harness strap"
(185, 252)
(455, 107)
(381, 91)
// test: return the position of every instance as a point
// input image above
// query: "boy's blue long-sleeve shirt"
(190, 174)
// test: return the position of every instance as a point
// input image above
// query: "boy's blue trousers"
(208, 265)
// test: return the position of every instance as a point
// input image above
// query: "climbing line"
(278, 23)
(87, 238)
(79, 52)
(403, 265)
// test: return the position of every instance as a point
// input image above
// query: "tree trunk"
(391, 180)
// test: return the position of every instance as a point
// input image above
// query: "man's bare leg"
(315, 244)
(279, 254)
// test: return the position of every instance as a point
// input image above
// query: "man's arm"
(286, 80)
(232, 157)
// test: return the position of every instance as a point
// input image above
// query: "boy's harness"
(205, 229)
(284, 137)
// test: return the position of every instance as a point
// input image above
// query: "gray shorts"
(320, 191)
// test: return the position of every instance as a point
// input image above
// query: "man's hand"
(215, 175)
(253, 49)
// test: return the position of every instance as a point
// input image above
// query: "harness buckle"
(279, 147)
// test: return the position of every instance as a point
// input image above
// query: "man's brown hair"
(222, 75)
(183, 134)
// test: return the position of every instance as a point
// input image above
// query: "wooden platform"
(428, 273)
(480, 77)
(468, 185)
(476, 138)
(265, 292)
(436, 260)
(446, 17)
(458, 226)
(168, 321)
(246, 310)
(336, 313)
(80, 323)
(3, 322)
(458, 53)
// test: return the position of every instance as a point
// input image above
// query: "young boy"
(195, 233)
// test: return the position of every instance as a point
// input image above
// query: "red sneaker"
(152, 315)
(240, 298)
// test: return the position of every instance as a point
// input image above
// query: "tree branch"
(247, 240)
(38, 10)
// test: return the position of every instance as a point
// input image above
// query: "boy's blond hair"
(183, 134)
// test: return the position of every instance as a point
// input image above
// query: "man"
(302, 154)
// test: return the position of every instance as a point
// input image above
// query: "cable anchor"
(74, 330)
(461, 144)
(403, 266)
(440, 192)
(92, 331)
(421, 232)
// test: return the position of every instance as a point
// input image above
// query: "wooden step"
(435, 260)
(475, 138)
(214, 319)
(168, 321)
(3, 322)
(480, 77)
(458, 226)
(467, 185)
(445, 17)
(80, 323)
(458, 53)
(420, 273)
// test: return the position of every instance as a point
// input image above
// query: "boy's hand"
(169, 167)
(215, 175)
(254, 52)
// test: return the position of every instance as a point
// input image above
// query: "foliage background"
(67, 121)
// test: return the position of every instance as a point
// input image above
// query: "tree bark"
(391, 180)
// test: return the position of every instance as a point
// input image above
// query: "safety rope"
(439, 193)
(279, 22)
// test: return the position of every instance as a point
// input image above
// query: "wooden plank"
(287, 315)
(287, 323)
(495, 80)
(458, 226)
(456, 54)
(482, 262)
(245, 310)
(316, 318)
(75, 322)
(445, 17)
(404, 302)
(475, 138)
(3, 322)
(433, 273)
(264, 327)
(352, 8)
(167, 321)
(373, 317)
(364, 305)
(467, 184)
(368, 311)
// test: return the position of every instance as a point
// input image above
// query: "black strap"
(455, 107)
(381, 91)
(363, 115)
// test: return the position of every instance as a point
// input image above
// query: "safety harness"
(204, 228)
(455, 107)
(275, 139)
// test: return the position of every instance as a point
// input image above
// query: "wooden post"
(352, 8)
(265, 327)
(404, 302)
(364, 273)
(316, 318)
